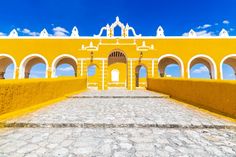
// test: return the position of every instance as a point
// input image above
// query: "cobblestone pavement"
(118, 123)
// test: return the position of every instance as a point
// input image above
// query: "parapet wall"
(19, 94)
(216, 96)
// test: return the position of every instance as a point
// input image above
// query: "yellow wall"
(184, 48)
(216, 96)
(18, 94)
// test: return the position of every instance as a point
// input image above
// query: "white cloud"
(231, 29)
(202, 33)
(200, 70)
(204, 26)
(28, 32)
(2, 34)
(69, 68)
(216, 24)
(60, 31)
(225, 22)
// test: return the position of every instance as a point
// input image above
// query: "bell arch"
(169, 59)
(229, 60)
(64, 59)
(29, 61)
(5, 61)
(206, 61)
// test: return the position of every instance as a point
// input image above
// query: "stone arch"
(117, 59)
(205, 60)
(64, 59)
(117, 56)
(168, 59)
(231, 61)
(137, 74)
(5, 61)
(29, 61)
(93, 81)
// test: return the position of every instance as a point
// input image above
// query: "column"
(49, 72)
(131, 75)
(103, 78)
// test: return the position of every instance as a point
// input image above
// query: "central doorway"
(117, 69)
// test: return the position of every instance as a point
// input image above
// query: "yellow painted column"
(219, 74)
(131, 74)
(17, 73)
(186, 71)
(103, 76)
(49, 72)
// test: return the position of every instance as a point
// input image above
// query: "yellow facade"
(122, 54)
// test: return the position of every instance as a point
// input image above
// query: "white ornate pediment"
(160, 32)
(13, 33)
(75, 32)
(124, 29)
(223, 33)
(192, 33)
(43, 33)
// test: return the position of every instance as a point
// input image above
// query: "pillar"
(103, 75)
(154, 68)
(49, 72)
(17, 73)
(131, 74)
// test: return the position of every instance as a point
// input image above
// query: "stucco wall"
(216, 96)
(18, 94)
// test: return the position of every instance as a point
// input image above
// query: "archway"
(93, 75)
(228, 67)
(64, 65)
(28, 70)
(7, 66)
(203, 64)
(141, 76)
(117, 69)
(170, 66)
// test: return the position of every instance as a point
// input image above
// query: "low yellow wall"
(19, 94)
(216, 96)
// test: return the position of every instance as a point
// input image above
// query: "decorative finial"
(75, 32)
(13, 33)
(192, 33)
(224, 33)
(44, 33)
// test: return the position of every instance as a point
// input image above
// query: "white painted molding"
(75, 32)
(222, 62)
(13, 33)
(223, 33)
(160, 32)
(44, 33)
(209, 60)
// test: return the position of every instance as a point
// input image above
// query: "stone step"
(118, 96)
(109, 125)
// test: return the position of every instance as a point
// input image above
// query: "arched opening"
(228, 67)
(64, 65)
(170, 66)
(141, 76)
(201, 66)
(7, 66)
(34, 66)
(117, 69)
(92, 76)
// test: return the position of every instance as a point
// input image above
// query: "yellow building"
(117, 59)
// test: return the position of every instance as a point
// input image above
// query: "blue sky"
(206, 17)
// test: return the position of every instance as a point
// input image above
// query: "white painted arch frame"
(177, 59)
(222, 62)
(25, 61)
(57, 59)
(209, 60)
(13, 61)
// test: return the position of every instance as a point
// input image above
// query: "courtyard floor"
(116, 123)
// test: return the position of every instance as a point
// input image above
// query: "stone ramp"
(118, 123)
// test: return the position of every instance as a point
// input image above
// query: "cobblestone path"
(116, 123)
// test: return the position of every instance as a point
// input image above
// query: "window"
(115, 75)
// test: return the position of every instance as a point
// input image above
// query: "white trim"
(57, 59)
(176, 58)
(103, 63)
(131, 74)
(25, 61)
(209, 60)
(153, 62)
(222, 62)
(13, 61)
